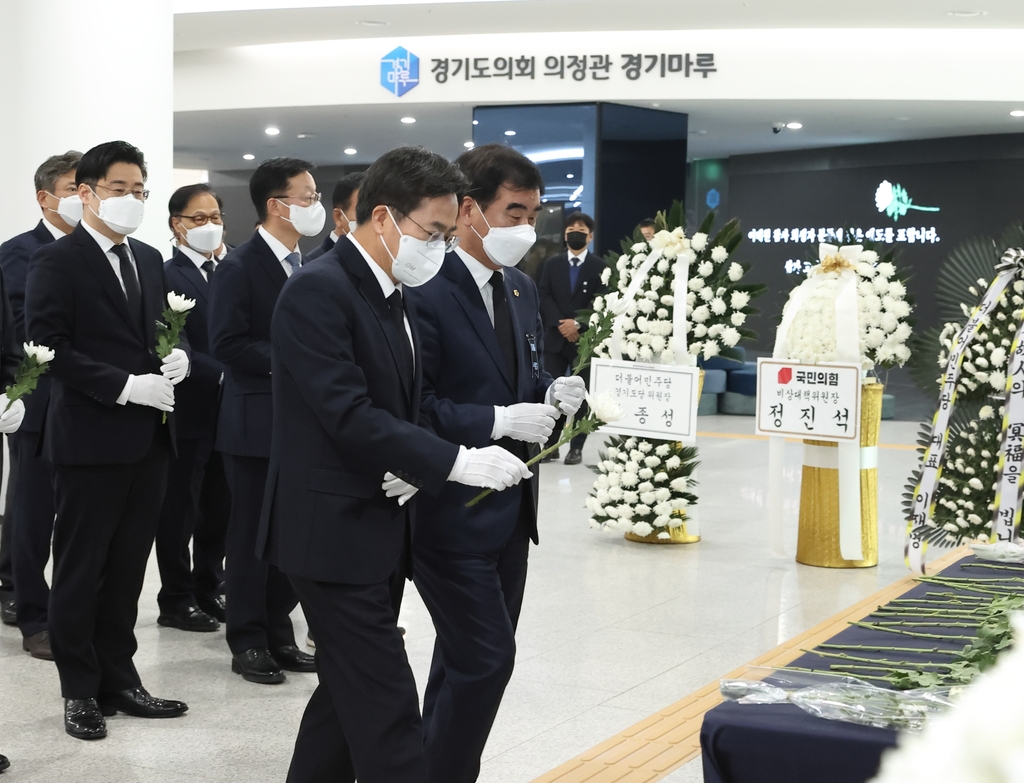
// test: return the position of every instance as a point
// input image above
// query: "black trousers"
(195, 509)
(474, 600)
(259, 597)
(363, 719)
(30, 512)
(559, 364)
(6, 529)
(102, 536)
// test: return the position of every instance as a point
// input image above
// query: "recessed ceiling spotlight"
(408, 120)
(372, 23)
(469, 145)
(655, 105)
(272, 131)
(476, 122)
(570, 176)
(967, 14)
(350, 150)
(306, 136)
(248, 156)
(794, 125)
(1017, 113)
(510, 133)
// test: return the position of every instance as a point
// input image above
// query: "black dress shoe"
(9, 611)
(574, 457)
(38, 646)
(138, 703)
(4, 763)
(190, 618)
(214, 606)
(83, 719)
(552, 457)
(257, 665)
(292, 659)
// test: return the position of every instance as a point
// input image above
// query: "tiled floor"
(611, 632)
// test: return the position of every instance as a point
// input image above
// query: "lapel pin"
(515, 291)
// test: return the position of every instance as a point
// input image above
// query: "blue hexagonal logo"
(399, 71)
(714, 198)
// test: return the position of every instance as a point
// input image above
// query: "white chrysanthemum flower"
(719, 254)
(705, 269)
(730, 336)
(739, 299)
(718, 306)
(699, 242)
(668, 300)
(695, 283)
(886, 270)
(700, 330)
(642, 529)
(678, 484)
(639, 247)
(997, 380)
(735, 272)
(700, 314)
(606, 275)
(706, 293)
(738, 319)
(711, 349)
(673, 462)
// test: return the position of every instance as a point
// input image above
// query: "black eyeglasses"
(141, 195)
(201, 220)
(307, 200)
(436, 237)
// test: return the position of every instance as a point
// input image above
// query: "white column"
(74, 74)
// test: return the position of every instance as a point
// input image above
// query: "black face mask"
(577, 240)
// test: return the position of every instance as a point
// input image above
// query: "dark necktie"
(503, 323)
(397, 307)
(208, 267)
(294, 260)
(574, 273)
(132, 291)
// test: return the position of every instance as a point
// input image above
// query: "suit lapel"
(268, 261)
(152, 290)
(199, 284)
(97, 262)
(42, 234)
(467, 294)
(369, 289)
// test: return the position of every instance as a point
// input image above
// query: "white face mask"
(123, 214)
(506, 245)
(70, 209)
(308, 221)
(418, 260)
(205, 238)
(351, 223)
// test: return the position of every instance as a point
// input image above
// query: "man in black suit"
(344, 197)
(483, 383)
(245, 290)
(347, 377)
(28, 525)
(569, 282)
(94, 297)
(197, 501)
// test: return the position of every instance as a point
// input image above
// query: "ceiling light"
(248, 156)
(476, 122)
(272, 131)
(408, 120)
(655, 105)
(469, 145)
(306, 136)
(350, 150)
(967, 14)
(1017, 113)
(794, 125)
(560, 153)
(510, 133)
(570, 176)
(372, 23)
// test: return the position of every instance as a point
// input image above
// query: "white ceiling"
(214, 30)
(217, 139)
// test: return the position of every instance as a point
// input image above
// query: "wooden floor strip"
(662, 743)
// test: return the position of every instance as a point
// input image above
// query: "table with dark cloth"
(780, 743)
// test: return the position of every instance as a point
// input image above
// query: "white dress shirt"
(106, 245)
(335, 236)
(199, 259)
(57, 233)
(278, 248)
(482, 277)
(387, 287)
(575, 259)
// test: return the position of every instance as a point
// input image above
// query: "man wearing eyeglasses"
(28, 526)
(245, 289)
(94, 297)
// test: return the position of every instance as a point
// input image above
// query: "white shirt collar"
(581, 255)
(387, 286)
(57, 233)
(276, 245)
(481, 274)
(105, 243)
(196, 258)
(335, 236)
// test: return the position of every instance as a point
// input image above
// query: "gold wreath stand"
(677, 535)
(818, 540)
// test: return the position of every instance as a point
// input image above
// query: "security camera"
(778, 127)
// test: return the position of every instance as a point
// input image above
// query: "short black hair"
(180, 198)
(345, 187)
(271, 179)
(647, 223)
(490, 166)
(404, 178)
(580, 217)
(55, 167)
(95, 163)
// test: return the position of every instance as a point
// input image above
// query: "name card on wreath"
(658, 401)
(815, 401)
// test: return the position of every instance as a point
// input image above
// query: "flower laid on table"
(643, 486)
(168, 331)
(26, 377)
(603, 410)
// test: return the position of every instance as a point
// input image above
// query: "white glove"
(175, 366)
(11, 419)
(532, 422)
(491, 467)
(154, 391)
(568, 391)
(395, 487)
